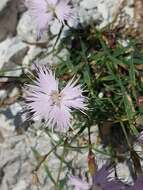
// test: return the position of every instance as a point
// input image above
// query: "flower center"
(56, 97)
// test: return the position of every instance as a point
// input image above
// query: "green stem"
(60, 167)
(125, 133)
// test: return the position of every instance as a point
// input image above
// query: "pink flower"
(101, 180)
(45, 100)
(138, 184)
(78, 183)
(43, 11)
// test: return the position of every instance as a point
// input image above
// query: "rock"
(88, 13)
(12, 52)
(53, 59)
(55, 27)
(1, 137)
(6, 124)
(88, 4)
(3, 94)
(26, 30)
(11, 170)
(8, 18)
(17, 58)
(100, 12)
(15, 108)
(123, 172)
(3, 4)
(31, 55)
(21, 185)
(14, 92)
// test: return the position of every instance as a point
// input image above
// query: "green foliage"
(113, 80)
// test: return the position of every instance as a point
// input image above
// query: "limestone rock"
(12, 52)
(8, 18)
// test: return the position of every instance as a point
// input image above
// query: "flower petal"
(138, 184)
(39, 104)
(52, 2)
(72, 96)
(39, 14)
(60, 117)
(63, 11)
(78, 183)
(46, 81)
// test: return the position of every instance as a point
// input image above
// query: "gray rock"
(89, 4)
(31, 55)
(12, 52)
(3, 4)
(3, 94)
(15, 108)
(21, 185)
(26, 30)
(17, 58)
(100, 12)
(8, 18)
(55, 27)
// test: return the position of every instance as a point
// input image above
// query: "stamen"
(56, 97)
